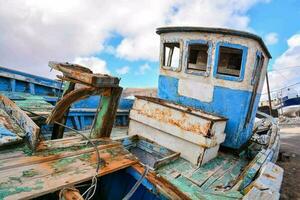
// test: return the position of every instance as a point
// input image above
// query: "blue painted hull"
(291, 102)
(237, 131)
(116, 185)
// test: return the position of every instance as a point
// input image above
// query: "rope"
(136, 185)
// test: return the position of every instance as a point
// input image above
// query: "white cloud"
(123, 70)
(286, 68)
(271, 38)
(291, 56)
(95, 64)
(34, 32)
(143, 69)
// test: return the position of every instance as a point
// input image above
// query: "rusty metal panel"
(177, 117)
(193, 133)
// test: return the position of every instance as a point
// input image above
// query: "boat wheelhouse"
(219, 71)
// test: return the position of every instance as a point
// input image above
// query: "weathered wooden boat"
(196, 140)
(40, 94)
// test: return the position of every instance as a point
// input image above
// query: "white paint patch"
(196, 90)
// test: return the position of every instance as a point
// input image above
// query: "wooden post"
(106, 113)
(269, 96)
(58, 131)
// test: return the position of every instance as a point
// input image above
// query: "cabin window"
(197, 57)
(230, 61)
(171, 56)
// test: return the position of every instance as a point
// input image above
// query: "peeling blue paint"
(230, 103)
(5, 132)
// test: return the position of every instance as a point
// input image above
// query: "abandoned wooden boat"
(196, 140)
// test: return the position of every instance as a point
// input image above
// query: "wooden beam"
(58, 130)
(164, 186)
(269, 96)
(84, 75)
(73, 96)
(105, 118)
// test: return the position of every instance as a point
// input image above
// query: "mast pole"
(269, 96)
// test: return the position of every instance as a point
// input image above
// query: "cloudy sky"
(118, 37)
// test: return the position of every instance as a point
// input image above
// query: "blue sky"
(134, 77)
(118, 37)
(277, 16)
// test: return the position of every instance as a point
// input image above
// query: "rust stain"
(165, 115)
(270, 176)
(107, 92)
(6, 123)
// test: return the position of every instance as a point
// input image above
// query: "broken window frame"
(208, 63)
(162, 59)
(258, 65)
(244, 49)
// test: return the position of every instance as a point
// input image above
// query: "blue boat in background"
(36, 94)
(289, 103)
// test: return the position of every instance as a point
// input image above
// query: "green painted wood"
(255, 166)
(107, 109)
(227, 180)
(210, 181)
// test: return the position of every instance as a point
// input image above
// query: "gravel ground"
(289, 159)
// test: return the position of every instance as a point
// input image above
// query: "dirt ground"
(289, 159)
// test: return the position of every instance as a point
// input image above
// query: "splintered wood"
(76, 73)
(15, 122)
(57, 164)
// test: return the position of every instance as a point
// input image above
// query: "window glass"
(171, 55)
(230, 61)
(197, 57)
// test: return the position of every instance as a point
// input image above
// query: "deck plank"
(32, 176)
(203, 182)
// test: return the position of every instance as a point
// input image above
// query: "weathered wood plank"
(58, 130)
(7, 154)
(35, 180)
(81, 74)
(105, 118)
(162, 185)
(63, 105)
(73, 141)
(50, 154)
(31, 130)
(269, 180)
(25, 78)
(254, 166)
